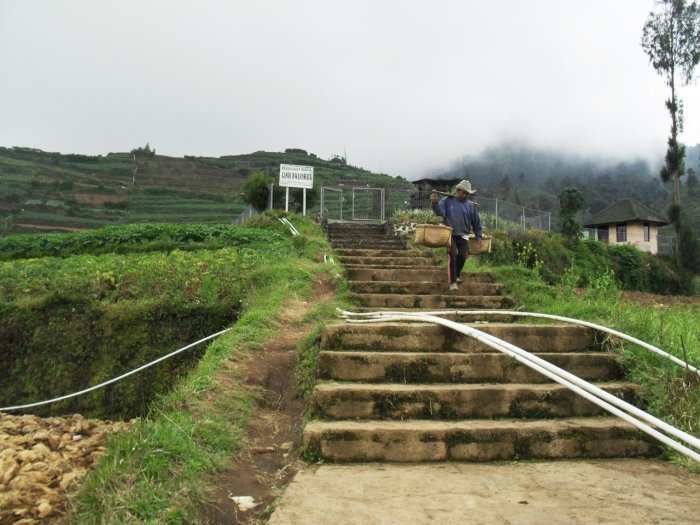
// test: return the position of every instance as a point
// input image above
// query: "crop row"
(206, 275)
(133, 238)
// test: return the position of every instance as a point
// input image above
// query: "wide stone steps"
(357, 252)
(475, 440)
(380, 300)
(421, 275)
(419, 392)
(351, 237)
(425, 337)
(369, 244)
(421, 288)
(456, 401)
(386, 262)
(444, 367)
(459, 316)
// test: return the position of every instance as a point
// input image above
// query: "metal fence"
(245, 215)
(379, 204)
(495, 213)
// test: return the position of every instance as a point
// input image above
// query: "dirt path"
(567, 492)
(269, 464)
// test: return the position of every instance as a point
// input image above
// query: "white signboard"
(296, 176)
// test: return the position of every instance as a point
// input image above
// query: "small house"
(628, 222)
(421, 198)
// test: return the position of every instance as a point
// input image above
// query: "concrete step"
(362, 252)
(411, 262)
(426, 337)
(428, 275)
(356, 225)
(459, 316)
(370, 244)
(431, 301)
(457, 401)
(354, 237)
(438, 367)
(420, 288)
(475, 440)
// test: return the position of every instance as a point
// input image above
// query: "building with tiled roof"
(628, 222)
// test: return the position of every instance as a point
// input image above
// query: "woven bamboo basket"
(474, 244)
(433, 235)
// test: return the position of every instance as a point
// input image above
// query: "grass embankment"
(156, 473)
(669, 391)
(79, 320)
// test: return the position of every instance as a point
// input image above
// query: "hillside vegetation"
(88, 312)
(43, 191)
(534, 178)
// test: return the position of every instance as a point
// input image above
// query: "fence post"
(496, 214)
(322, 201)
(271, 197)
(522, 219)
(383, 196)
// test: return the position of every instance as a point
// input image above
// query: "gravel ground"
(43, 461)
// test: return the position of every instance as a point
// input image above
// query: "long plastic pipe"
(113, 380)
(592, 393)
(601, 328)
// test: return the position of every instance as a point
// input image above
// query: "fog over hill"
(535, 176)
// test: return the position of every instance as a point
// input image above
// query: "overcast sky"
(401, 86)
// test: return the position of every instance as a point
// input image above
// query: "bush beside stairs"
(418, 392)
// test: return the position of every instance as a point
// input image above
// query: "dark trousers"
(459, 253)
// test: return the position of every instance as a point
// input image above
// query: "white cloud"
(403, 86)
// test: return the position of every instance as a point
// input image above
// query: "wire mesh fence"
(495, 213)
(379, 204)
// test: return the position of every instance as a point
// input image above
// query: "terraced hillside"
(44, 191)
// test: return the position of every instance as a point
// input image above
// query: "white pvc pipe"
(581, 387)
(287, 223)
(114, 380)
(601, 328)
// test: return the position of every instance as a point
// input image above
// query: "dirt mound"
(43, 460)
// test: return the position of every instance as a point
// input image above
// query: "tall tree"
(570, 204)
(671, 38)
(257, 190)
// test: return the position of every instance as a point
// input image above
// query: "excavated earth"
(43, 462)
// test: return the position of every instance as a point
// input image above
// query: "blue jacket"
(461, 216)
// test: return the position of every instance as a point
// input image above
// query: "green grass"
(158, 471)
(668, 390)
(130, 238)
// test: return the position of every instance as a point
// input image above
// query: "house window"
(647, 232)
(621, 233)
(603, 235)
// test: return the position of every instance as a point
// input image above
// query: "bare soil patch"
(268, 462)
(49, 227)
(99, 198)
(650, 299)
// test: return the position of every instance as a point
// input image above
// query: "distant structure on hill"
(628, 222)
(425, 186)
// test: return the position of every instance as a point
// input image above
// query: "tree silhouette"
(671, 38)
(570, 204)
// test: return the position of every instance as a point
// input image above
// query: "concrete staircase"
(418, 392)
(367, 235)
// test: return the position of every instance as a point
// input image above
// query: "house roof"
(624, 211)
(437, 181)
